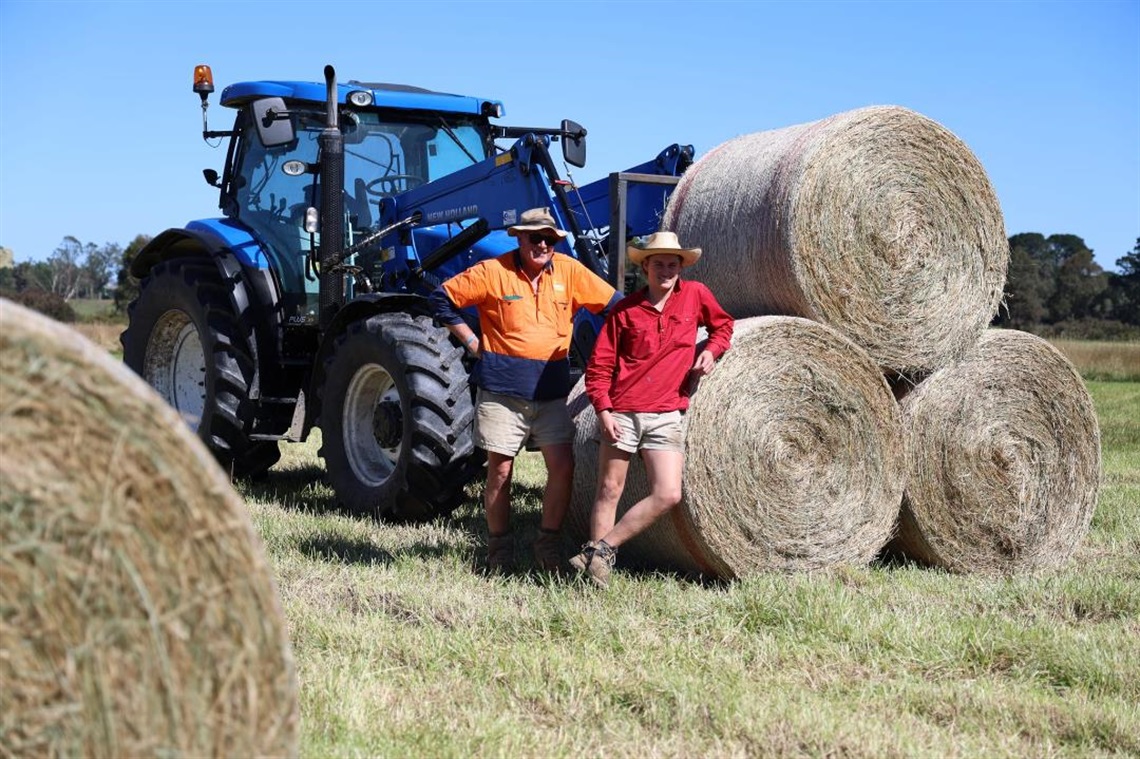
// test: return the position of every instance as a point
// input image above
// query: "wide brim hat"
(535, 220)
(662, 242)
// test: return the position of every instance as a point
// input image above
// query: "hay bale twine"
(1003, 451)
(793, 459)
(138, 616)
(878, 222)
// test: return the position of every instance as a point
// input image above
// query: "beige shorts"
(504, 423)
(643, 430)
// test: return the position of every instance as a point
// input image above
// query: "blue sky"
(100, 133)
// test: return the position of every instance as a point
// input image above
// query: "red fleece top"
(642, 358)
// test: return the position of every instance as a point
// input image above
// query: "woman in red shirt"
(644, 365)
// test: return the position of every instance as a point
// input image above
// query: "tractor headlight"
(360, 98)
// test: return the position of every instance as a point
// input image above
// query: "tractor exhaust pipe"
(331, 143)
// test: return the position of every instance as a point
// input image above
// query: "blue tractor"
(304, 304)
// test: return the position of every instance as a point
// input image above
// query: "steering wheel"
(385, 186)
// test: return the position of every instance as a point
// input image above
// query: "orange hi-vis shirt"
(525, 341)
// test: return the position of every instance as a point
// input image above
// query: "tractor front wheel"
(184, 340)
(396, 419)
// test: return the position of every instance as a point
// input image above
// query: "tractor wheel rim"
(372, 432)
(175, 366)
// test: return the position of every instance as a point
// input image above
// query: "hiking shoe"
(500, 553)
(598, 561)
(582, 559)
(548, 551)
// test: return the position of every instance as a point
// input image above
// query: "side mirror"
(274, 126)
(573, 143)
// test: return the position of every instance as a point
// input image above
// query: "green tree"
(1080, 282)
(29, 275)
(126, 286)
(99, 268)
(1029, 283)
(67, 267)
(1124, 288)
(1053, 279)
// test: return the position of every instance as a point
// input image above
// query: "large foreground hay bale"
(1003, 450)
(138, 616)
(793, 459)
(878, 222)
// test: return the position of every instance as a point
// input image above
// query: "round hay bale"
(138, 615)
(878, 222)
(1003, 451)
(793, 459)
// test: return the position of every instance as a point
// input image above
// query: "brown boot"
(597, 560)
(500, 553)
(582, 559)
(548, 551)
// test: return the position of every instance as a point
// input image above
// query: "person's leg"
(613, 466)
(553, 432)
(559, 460)
(663, 469)
(497, 494)
(497, 502)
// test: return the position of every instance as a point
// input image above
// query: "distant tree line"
(1056, 289)
(74, 270)
(1053, 287)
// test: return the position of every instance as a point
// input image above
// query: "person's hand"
(610, 427)
(704, 365)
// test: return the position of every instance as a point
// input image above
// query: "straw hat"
(534, 220)
(662, 242)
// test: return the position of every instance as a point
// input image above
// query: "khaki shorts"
(648, 431)
(504, 423)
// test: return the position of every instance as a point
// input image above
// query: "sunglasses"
(537, 237)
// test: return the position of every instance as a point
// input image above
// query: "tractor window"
(450, 151)
(386, 157)
(381, 158)
(272, 204)
(260, 186)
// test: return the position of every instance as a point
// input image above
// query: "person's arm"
(719, 325)
(599, 376)
(460, 291)
(592, 292)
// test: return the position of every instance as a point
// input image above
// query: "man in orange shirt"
(526, 300)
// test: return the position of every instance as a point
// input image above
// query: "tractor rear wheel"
(396, 419)
(183, 339)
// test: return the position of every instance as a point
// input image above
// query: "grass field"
(1119, 361)
(403, 650)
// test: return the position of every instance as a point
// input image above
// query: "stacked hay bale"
(877, 222)
(139, 616)
(1003, 455)
(882, 225)
(793, 459)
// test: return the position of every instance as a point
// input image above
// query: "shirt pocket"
(563, 318)
(639, 343)
(683, 331)
(513, 313)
